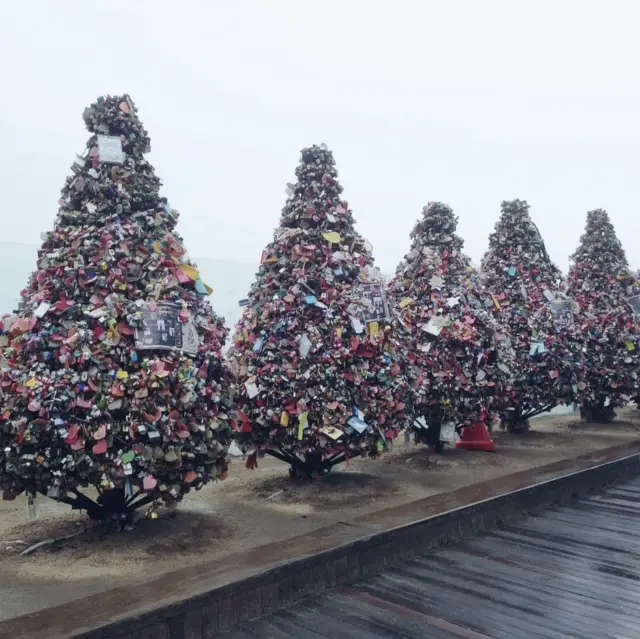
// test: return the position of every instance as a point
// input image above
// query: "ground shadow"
(338, 489)
(175, 532)
(451, 459)
(618, 425)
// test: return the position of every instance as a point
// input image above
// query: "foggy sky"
(461, 101)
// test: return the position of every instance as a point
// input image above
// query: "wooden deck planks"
(570, 571)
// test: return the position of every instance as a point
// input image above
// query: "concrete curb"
(213, 610)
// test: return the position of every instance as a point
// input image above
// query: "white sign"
(163, 330)
(562, 312)
(372, 299)
(110, 149)
(448, 433)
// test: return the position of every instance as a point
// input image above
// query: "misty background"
(465, 102)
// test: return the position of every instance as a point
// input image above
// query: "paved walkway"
(571, 571)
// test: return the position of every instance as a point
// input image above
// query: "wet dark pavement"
(570, 571)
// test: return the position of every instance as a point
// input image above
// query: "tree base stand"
(430, 439)
(597, 414)
(112, 508)
(310, 466)
(517, 421)
(431, 436)
(515, 427)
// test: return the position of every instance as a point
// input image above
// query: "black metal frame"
(598, 413)
(434, 417)
(517, 421)
(111, 505)
(310, 466)
(431, 436)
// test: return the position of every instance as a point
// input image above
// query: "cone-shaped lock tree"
(527, 289)
(313, 353)
(112, 374)
(459, 357)
(635, 306)
(607, 296)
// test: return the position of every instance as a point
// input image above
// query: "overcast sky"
(468, 102)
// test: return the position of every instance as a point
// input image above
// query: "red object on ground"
(476, 437)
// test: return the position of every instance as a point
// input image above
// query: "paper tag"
(42, 310)
(252, 389)
(303, 422)
(537, 347)
(330, 431)
(259, 344)
(332, 237)
(421, 422)
(304, 346)
(432, 329)
(358, 424)
(435, 325)
(358, 326)
(448, 432)
(234, 450)
(191, 272)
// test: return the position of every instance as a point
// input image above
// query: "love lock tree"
(526, 287)
(608, 301)
(113, 375)
(314, 351)
(635, 307)
(459, 357)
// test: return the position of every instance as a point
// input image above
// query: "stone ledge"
(199, 601)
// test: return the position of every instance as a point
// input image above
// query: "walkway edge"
(208, 612)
